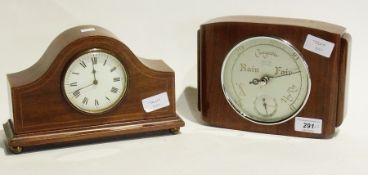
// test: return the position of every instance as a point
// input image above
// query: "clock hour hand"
(94, 71)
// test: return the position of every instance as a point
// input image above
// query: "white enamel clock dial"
(95, 81)
(265, 80)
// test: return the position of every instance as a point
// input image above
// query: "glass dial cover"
(95, 81)
(265, 80)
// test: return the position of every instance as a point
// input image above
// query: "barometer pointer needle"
(265, 105)
(266, 78)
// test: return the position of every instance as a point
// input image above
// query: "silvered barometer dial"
(265, 80)
(95, 81)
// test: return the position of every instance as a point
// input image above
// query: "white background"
(166, 29)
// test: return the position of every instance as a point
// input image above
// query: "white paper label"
(88, 30)
(155, 102)
(309, 125)
(319, 46)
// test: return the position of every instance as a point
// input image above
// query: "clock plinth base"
(17, 142)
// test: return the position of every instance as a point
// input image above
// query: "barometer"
(273, 75)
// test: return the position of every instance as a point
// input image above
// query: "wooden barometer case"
(273, 75)
(88, 85)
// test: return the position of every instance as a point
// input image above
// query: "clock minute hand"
(82, 88)
(94, 72)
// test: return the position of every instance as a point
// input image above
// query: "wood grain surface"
(39, 107)
(328, 75)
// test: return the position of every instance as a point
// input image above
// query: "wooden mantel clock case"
(273, 75)
(89, 85)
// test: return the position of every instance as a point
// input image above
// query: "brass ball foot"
(16, 149)
(174, 130)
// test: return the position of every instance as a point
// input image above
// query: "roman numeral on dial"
(85, 100)
(96, 102)
(73, 84)
(94, 60)
(76, 94)
(114, 90)
(116, 79)
(83, 64)
(113, 69)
